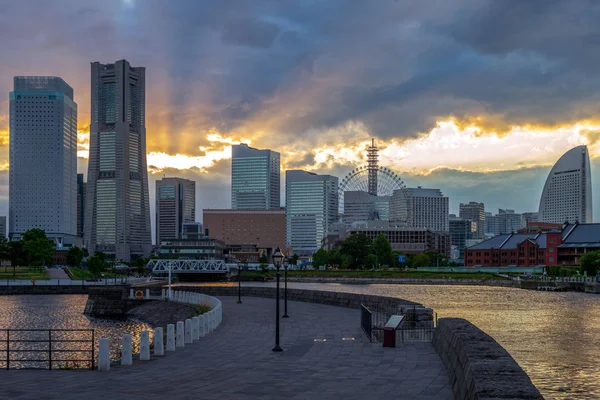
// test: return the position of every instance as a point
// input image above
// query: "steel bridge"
(188, 266)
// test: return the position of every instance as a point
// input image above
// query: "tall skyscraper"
(426, 208)
(475, 212)
(43, 158)
(506, 221)
(80, 204)
(311, 202)
(461, 230)
(567, 194)
(175, 205)
(117, 212)
(3, 226)
(254, 178)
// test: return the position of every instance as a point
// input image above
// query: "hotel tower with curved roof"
(567, 194)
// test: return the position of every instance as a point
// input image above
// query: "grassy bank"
(374, 274)
(26, 273)
(78, 274)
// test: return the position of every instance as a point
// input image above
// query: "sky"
(475, 97)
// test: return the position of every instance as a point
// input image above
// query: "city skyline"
(448, 132)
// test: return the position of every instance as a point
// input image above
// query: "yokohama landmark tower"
(117, 220)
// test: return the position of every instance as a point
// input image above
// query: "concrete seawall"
(350, 300)
(478, 367)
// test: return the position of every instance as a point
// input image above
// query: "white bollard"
(104, 355)
(202, 320)
(179, 335)
(126, 351)
(145, 346)
(162, 294)
(195, 328)
(147, 293)
(170, 337)
(188, 331)
(159, 348)
(131, 293)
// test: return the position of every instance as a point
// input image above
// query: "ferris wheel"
(361, 179)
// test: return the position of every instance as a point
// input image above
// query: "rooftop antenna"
(373, 167)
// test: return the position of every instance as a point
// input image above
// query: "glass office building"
(117, 211)
(175, 206)
(311, 208)
(43, 158)
(254, 178)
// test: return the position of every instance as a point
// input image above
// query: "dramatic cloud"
(465, 87)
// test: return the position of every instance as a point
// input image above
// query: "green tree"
(372, 260)
(17, 255)
(334, 257)
(74, 256)
(419, 260)
(590, 262)
(101, 255)
(263, 259)
(320, 258)
(357, 246)
(140, 265)
(382, 249)
(5, 249)
(294, 259)
(95, 265)
(37, 247)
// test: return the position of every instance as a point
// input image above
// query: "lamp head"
(277, 258)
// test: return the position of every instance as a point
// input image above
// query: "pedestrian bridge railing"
(47, 348)
(177, 335)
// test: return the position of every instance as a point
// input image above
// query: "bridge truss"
(188, 266)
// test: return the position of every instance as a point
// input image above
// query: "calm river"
(555, 337)
(60, 312)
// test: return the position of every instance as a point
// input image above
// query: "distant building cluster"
(111, 211)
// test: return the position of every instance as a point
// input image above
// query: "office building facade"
(3, 226)
(567, 194)
(311, 208)
(475, 212)
(117, 219)
(81, 186)
(175, 206)
(461, 230)
(255, 175)
(43, 158)
(427, 208)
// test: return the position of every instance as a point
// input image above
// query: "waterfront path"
(326, 356)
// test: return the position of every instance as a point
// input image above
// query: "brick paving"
(320, 361)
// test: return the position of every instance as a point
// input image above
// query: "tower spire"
(373, 167)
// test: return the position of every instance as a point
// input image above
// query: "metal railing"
(51, 348)
(366, 321)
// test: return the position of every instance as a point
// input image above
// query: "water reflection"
(554, 336)
(59, 312)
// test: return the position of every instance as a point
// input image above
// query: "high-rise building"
(80, 204)
(117, 212)
(475, 212)
(254, 178)
(567, 194)
(3, 226)
(506, 221)
(175, 205)
(529, 217)
(461, 230)
(426, 208)
(311, 202)
(43, 158)
(361, 206)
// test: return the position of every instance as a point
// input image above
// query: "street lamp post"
(277, 257)
(240, 283)
(285, 265)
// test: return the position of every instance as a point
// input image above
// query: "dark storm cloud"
(397, 66)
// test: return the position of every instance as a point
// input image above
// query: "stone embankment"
(340, 299)
(478, 367)
(410, 281)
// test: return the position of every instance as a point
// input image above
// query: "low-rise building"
(203, 248)
(254, 232)
(554, 247)
(406, 240)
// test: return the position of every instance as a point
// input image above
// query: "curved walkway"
(320, 361)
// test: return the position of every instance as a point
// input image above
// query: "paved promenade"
(320, 361)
